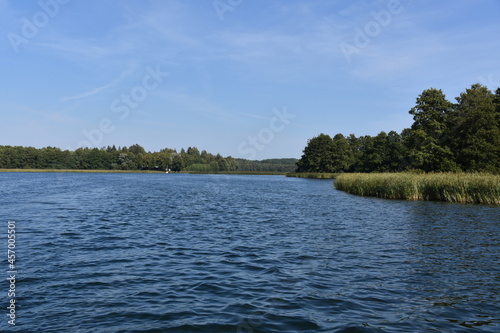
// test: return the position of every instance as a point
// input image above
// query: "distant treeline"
(270, 165)
(445, 136)
(132, 158)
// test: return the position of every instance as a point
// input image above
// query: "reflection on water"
(214, 253)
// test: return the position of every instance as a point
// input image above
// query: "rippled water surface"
(215, 253)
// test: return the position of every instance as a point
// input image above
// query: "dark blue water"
(214, 253)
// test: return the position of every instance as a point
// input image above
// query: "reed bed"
(448, 187)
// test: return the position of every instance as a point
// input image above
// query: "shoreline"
(78, 171)
(310, 175)
(145, 171)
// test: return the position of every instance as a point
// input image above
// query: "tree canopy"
(444, 136)
(134, 157)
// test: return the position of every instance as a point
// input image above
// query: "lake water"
(217, 253)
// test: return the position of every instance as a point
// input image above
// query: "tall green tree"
(136, 149)
(395, 152)
(377, 154)
(342, 157)
(364, 148)
(177, 162)
(428, 139)
(476, 132)
(317, 155)
(496, 101)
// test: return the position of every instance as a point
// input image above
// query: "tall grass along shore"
(448, 187)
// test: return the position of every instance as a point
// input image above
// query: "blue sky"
(247, 78)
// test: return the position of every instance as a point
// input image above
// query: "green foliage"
(136, 149)
(135, 158)
(342, 158)
(444, 137)
(318, 155)
(269, 165)
(496, 102)
(111, 158)
(476, 135)
(426, 142)
(385, 152)
(430, 112)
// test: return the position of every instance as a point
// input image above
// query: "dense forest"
(133, 158)
(269, 165)
(445, 136)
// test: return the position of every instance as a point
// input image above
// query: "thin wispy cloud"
(97, 90)
(80, 48)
